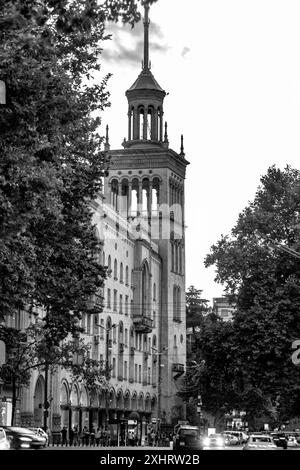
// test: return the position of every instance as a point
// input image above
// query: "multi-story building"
(223, 308)
(141, 332)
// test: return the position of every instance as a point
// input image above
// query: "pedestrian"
(71, 436)
(104, 438)
(98, 436)
(86, 435)
(64, 433)
(48, 432)
(92, 436)
(76, 435)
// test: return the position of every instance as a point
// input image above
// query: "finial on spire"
(146, 39)
(106, 145)
(181, 147)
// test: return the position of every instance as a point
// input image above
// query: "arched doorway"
(38, 401)
(64, 404)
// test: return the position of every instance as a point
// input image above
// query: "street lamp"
(107, 371)
(159, 365)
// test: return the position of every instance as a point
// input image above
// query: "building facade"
(223, 308)
(141, 333)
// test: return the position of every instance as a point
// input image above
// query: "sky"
(231, 69)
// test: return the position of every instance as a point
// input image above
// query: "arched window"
(141, 122)
(114, 194)
(150, 122)
(115, 270)
(176, 303)
(154, 292)
(103, 259)
(126, 276)
(145, 289)
(114, 367)
(109, 262)
(121, 272)
(126, 337)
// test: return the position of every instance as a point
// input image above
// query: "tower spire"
(146, 66)
(106, 144)
(181, 147)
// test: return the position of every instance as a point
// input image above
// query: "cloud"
(126, 44)
(185, 51)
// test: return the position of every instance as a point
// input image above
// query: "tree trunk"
(14, 401)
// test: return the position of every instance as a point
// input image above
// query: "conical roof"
(145, 81)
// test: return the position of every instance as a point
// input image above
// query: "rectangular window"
(149, 376)
(115, 300)
(108, 298)
(125, 370)
(135, 372)
(140, 374)
(102, 329)
(126, 304)
(154, 319)
(121, 303)
(88, 325)
(126, 337)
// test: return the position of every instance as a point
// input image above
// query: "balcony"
(142, 324)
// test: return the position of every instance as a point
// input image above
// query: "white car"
(4, 442)
(260, 442)
(292, 441)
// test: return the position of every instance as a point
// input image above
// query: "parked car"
(40, 432)
(214, 441)
(187, 437)
(260, 442)
(292, 441)
(23, 438)
(231, 440)
(279, 439)
(4, 442)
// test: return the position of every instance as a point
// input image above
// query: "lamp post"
(107, 371)
(159, 365)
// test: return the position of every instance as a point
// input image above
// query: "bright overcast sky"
(232, 71)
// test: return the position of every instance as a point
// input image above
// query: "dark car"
(187, 437)
(23, 438)
(279, 439)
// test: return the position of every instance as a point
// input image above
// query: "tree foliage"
(51, 161)
(265, 284)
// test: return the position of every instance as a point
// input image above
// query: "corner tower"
(145, 189)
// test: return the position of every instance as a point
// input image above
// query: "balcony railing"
(142, 324)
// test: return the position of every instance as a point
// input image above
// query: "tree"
(265, 284)
(51, 161)
(30, 349)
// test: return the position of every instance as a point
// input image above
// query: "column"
(145, 124)
(119, 198)
(129, 123)
(161, 125)
(140, 197)
(135, 124)
(129, 200)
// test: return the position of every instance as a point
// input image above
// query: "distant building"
(223, 308)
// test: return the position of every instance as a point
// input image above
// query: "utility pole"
(159, 366)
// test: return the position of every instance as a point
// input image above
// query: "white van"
(241, 436)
